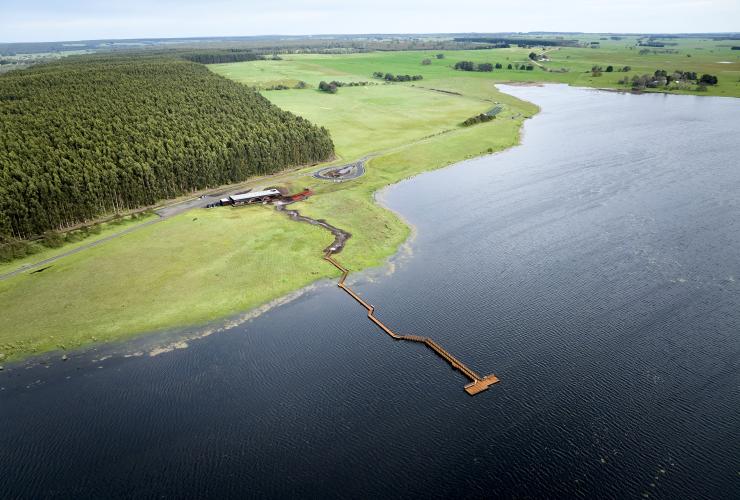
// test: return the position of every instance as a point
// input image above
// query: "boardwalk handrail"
(478, 383)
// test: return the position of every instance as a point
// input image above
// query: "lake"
(595, 269)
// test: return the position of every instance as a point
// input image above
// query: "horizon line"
(321, 35)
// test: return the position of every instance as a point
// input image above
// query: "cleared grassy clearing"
(701, 56)
(106, 229)
(374, 118)
(262, 72)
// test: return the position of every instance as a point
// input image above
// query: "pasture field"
(378, 117)
(42, 253)
(193, 268)
(701, 56)
(208, 264)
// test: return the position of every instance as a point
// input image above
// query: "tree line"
(218, 56)
(662, 78)
(281, 86)
(521, 42)
(487, 67)
(94, 135)
(332, 86)
(389, 77)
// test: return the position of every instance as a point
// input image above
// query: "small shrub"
(330, 88)
(708, 79)
(52, 239)
(73, 236)
(481, 118)
(11, 249)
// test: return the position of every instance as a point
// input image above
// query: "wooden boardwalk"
(477, 384)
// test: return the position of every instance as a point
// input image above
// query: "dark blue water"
(594, 269)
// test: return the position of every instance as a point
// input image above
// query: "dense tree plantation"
(220, 56)
(95, 135)
(521, 42)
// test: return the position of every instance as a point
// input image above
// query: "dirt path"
(537, 63)
(340, 236)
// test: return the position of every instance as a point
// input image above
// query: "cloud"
(46, 20)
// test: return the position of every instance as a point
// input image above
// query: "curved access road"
(348, 172)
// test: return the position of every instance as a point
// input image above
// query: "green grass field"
(43, 253)
(378, 117)
(188, 270)
(209, 264)
(701, 56)
(183, 272)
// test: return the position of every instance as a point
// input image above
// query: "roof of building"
(254, 194)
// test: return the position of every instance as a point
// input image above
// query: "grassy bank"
(77, 239)
(209, 264)
(375, 118)
(568, 65)
(190, 269)
(376, 231)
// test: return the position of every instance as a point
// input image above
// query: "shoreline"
(170, 339)
(388, 255)
(155, 343)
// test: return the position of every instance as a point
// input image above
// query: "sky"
(56, 20)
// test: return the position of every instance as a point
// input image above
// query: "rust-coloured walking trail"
(477, 384)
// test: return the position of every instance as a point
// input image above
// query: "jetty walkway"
(477, 384)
